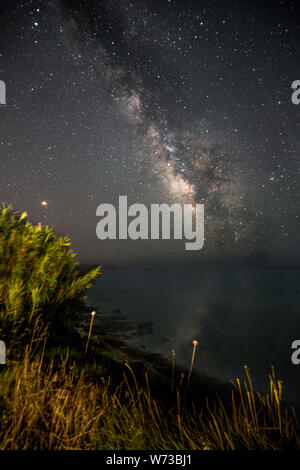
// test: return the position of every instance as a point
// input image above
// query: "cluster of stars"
(163, 102)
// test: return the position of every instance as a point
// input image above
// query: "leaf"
(24, 214)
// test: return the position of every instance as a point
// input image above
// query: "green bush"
(38, 274)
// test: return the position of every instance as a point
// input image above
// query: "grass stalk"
(93, 313)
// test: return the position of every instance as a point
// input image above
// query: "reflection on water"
(239, 316)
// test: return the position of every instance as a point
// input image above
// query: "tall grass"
(93, 313)
(47, 407)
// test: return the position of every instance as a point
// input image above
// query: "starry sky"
(163, 101)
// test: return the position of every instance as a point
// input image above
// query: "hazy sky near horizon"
(170, 101)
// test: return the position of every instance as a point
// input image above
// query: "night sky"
(162, 101)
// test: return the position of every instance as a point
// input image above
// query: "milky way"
(168, 101)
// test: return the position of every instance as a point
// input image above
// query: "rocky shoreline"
(110, 334)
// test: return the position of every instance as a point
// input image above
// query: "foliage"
(38, 274)
(43, 407)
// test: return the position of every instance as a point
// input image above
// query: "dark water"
(239, 316)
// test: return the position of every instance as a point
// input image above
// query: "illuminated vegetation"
(38, 275)
(45, 407)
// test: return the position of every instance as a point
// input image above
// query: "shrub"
(38, 274)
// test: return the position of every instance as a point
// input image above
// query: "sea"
(238, 316)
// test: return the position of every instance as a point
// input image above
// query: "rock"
(143, 329)
(167, 338)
